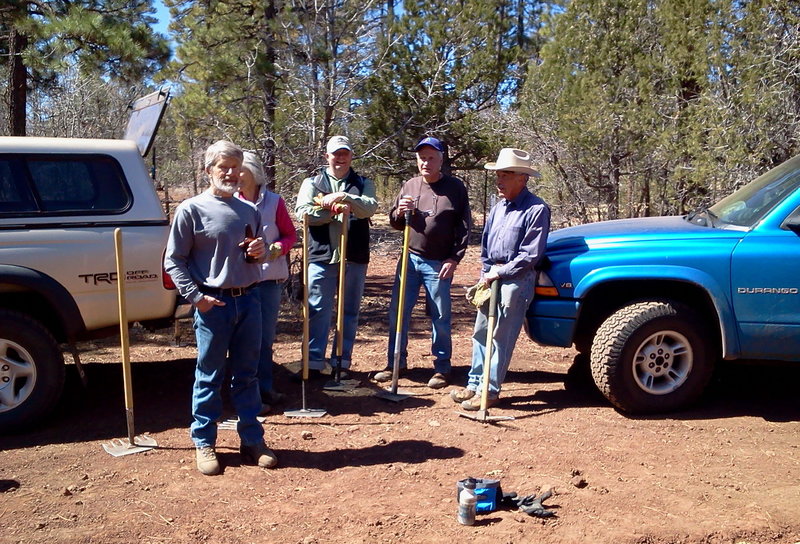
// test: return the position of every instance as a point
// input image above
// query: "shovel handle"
(123, 333)
(401, 303)
(401, 299)
(306, 333)
(340, 296)
(487, 360)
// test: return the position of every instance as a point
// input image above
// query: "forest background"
(630, 107)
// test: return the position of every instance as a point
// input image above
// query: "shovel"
(336, 384)
(133, 444)
(305, 412)
(482, 415)
(391, 394)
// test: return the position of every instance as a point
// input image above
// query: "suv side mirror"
(793, 224)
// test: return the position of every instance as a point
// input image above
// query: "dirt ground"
(725, 471)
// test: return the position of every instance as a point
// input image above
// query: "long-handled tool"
(133, 444)
(392, 394)
(305, 412)
(336, 383)
(482, 415)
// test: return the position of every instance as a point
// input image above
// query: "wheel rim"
(17, 375)
(663, 362)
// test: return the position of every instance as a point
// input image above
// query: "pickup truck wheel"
(652, 356)
(31, 370)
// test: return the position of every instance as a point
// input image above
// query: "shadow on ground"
(765, 389)
(162, 398)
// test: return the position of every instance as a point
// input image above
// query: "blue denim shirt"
(515, 235)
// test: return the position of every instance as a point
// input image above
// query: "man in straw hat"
(513, 242)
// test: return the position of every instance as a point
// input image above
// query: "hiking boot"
(344, 374)
(474, 404)
(207, 460)
(272, 397)
(439, 380)
(460, 395)
(258, 454)
(385, 375)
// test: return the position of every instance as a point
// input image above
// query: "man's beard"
(226, 186)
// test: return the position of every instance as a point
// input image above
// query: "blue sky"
(162, 13)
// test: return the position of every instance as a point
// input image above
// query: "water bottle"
(467, 501)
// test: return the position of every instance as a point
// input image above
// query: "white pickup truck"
(60, 201)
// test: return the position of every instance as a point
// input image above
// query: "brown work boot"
(385, 375)
(207, 461)
(439, 380)
(258, 454)
(460, 395)
(474, 404)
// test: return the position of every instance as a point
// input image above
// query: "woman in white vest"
(279, 236)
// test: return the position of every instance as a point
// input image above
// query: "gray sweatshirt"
(203, 246)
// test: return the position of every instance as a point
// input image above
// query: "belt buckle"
(237, 291)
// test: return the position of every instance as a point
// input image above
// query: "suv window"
(63, 185)
(14, 193)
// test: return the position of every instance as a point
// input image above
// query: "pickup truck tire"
(31, 370)
(652, 356)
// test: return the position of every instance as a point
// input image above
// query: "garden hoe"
(134, 444)
(391, 394)
(305, 412)
(336, 383)
(482, 415)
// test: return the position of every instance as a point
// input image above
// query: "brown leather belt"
(231, 292)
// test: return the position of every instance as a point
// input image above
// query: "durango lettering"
(767, 290)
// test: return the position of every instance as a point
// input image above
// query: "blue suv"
(654, 303)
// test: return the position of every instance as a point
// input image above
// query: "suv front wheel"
(652, 356)
(31, 370)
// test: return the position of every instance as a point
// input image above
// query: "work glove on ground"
(530, 504)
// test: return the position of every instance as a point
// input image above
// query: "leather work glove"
(274, 251)
(478, 294)
(532, 505)
(340, 207)
(335, 207)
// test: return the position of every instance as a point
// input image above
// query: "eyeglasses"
(432, 209)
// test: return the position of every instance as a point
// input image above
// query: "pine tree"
(447, 65)
(277, 77)
(43, 39)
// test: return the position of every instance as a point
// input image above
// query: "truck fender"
(63, 306)
(719, 295)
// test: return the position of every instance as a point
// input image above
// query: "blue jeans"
(323, 282)
(423, 272)
(235, 330)
(269, 291)
(515, 296)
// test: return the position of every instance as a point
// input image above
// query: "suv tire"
(31, 370)
(652, 356)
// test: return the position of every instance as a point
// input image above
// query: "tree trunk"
(271, 99)
(389, 20)
(18, 85)
(613, 193)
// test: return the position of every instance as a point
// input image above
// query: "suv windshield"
(751, 203)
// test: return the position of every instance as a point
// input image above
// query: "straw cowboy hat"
(514, 160)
